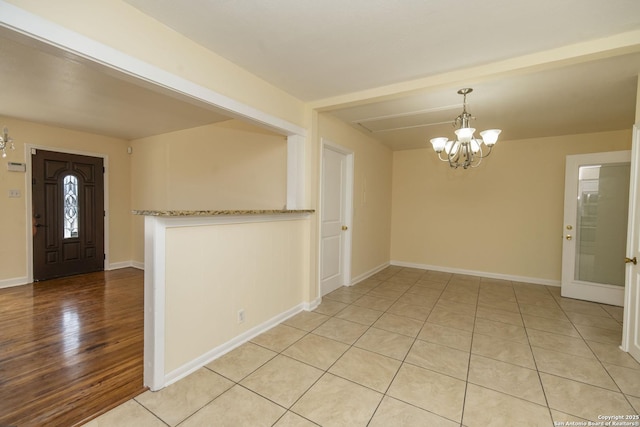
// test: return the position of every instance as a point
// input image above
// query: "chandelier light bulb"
(490, 136)
(475, 145)
(465, 134)
(439, 143)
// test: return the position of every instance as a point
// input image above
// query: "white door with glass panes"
(595, 226)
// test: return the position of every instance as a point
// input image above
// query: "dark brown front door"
(68, 214)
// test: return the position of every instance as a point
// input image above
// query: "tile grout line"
(598, 359)
(535, 362)
(473, 329)
(350, 346)
(403, 361)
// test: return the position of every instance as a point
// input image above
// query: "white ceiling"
(45, 85)
(596, 96)
(320, 49)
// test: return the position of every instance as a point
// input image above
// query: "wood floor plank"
(70, 348)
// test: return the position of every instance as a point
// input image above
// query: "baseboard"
(18, 281)
(523, 279)
(359, 278)
(126, 264)
(213, 354)
(119, 265)
(310, 306)
(14, 281)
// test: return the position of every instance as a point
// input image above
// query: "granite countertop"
(177, 213)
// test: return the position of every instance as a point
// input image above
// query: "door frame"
(633, 225)
(348, 213)
(28, 199)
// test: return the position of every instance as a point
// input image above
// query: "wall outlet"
(14, 193)
(241, 315)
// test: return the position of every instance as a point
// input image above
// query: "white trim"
(296, 175)
(19, 281)
(125, 264)
(523, 279)
(349, 191)
(312, 305)
(629, 316)
(35, 27)
(15, 281)
(29, 199)
(137, 264)
(154, 303)
(211, 355)
(367, 274)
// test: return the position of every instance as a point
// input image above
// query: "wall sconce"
(5, 140)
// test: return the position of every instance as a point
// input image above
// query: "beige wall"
(255, 267)
(228, 165)
(372, 194)
(14, 229)
(504, 217)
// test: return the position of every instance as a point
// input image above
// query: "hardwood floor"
(70, 348)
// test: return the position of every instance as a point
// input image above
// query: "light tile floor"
(411, 347)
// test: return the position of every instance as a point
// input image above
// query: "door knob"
(40, 225)
(345, 228)
(568, 237)
(633, 260)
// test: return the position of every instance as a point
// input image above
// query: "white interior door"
(631, 324)
(595, 226)
(335, 211)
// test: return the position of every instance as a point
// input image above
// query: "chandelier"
(466, 151)
(4, 140)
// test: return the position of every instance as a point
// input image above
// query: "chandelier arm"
(454, 159)
(488, 152)
(478, 162)
(440, 157)
(479, 157)
(469, 156)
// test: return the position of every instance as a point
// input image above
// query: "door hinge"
(104, 169)
(104, 256)
(104, 213)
